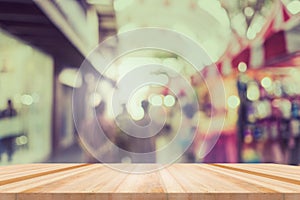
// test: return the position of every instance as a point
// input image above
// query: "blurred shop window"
(26, 85)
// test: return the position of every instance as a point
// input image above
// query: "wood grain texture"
(178, 181)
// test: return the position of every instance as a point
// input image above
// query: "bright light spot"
(277, 88)
(258, 24)
(169, 101)
(22, 140)
(276, 103)
(26, 99)
(135, 101)
(263, 109)
(294, 7)
(95, 99)
(249, 11)
(70, 77)
(156, 100)
(248, 139)
(120, 5)
(251, 33)
(253, 92)
(137, 113)
(242, 67)
(249, 155)
(266, 82)
(233, 101)
(238, 23)
(137, 96)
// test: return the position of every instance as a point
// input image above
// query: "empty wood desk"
(178, 181)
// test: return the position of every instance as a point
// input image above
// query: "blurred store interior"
(254, 44)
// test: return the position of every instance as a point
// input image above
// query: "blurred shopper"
(242, 112)
(100, 135)
(144, 145)
(122, 138)
(7, 146)
(7, 143)
(9, 111)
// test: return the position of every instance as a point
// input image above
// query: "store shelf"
(178, 181)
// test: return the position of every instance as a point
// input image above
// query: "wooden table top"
(178, 181)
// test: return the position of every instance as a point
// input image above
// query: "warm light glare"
(26, 99)
(248, 139)
(251, 33)
(242, 67)
(276, 103)
(266, 82)
(156, 100)
(263, 109)
(22, 140)
(169, 101)
(233, 101)
(253, 92)
(249, 11)
(137, 113)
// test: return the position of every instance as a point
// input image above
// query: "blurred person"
(7, 143)
(7, 146)
(242, 112)
(100, 135)
(189, 111)
(122, 138)
(145, 145)
(128, 140)
(9, 111)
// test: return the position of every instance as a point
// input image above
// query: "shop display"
(271, 122)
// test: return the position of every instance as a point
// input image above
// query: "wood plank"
(290, 169)
(278, 186)
(27, 173)
(4, 177)
(33, 180)
(212, 181)
(270, 170)
(142, 183)
(178, 181)
(87, 181)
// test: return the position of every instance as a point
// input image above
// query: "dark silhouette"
(144, 145)
(9, 111)
(7, 146)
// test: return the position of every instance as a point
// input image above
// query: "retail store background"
(254, 43)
